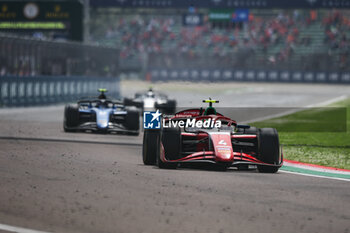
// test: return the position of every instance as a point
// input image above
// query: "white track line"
(18, 229)
(326, 177)
(328, 102)
(294, 110)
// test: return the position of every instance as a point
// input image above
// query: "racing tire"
(150, 146)
(171, 141)
(132, 119)
(128, 102)
(269, 149)
(171, 108)
(131, 102)
(251, 130)
(71, 118)
(133, 133)
(243, 167)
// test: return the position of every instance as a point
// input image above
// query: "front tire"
(150, 146)
(132, 120)
(269, 149)
(171, 141)
(71, 118)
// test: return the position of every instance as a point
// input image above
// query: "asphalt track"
(78, 182)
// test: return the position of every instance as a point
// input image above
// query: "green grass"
(307, 144)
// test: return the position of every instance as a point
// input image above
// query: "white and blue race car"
(101, 115)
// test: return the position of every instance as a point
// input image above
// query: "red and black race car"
(198, 135)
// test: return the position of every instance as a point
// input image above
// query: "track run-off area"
(51, 181)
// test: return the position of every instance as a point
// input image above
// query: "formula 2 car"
(100, 114)
(151, 100)
(195, 136)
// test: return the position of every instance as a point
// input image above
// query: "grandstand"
(293, 39)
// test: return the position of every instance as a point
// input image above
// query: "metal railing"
(233, 75)
(43, 90)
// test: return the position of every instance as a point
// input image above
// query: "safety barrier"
(43, 90)
(23, 56)
(222, 75)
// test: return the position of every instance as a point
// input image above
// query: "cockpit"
(210, 110)
(150, 94)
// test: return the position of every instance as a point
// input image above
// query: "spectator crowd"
(274, 35)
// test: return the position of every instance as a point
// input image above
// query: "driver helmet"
(102, 93)
(150, 94)
(210, 111)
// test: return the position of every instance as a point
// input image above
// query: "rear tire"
(251, 130)
(128, 102)
(131, 102)
(71, 118)
(150, 146)
(269, 149)
(171, 108)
